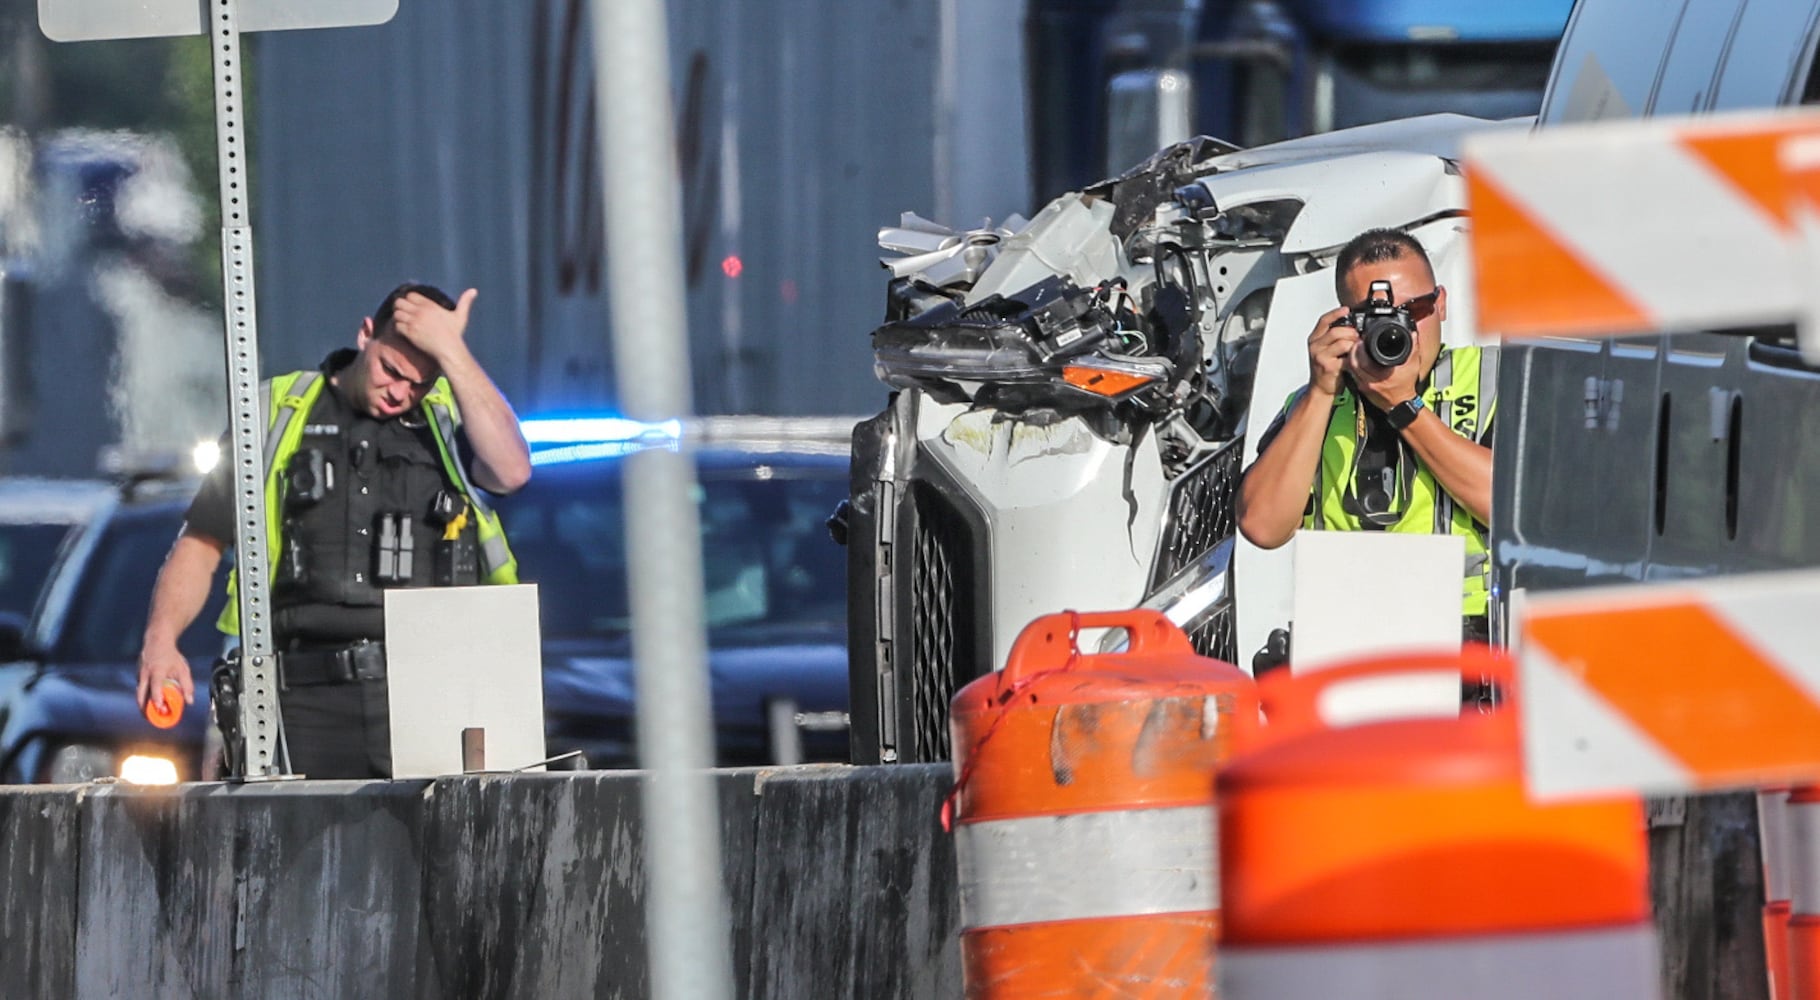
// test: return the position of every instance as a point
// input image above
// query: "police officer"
(379, 468)
(1366, 447)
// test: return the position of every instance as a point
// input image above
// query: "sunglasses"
(1422, 306)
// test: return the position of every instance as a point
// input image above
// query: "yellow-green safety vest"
(286, 405)
(1463, 392)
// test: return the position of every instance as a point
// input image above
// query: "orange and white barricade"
(1804, 893)
(1773, 838)
(1403, 859)
(1673, 689)
(1583, 230)
(1691, 686)
(1082, 809)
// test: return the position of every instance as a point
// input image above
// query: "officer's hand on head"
(160, 664)
(429, 327)
(1332, 341)
(1383, 387)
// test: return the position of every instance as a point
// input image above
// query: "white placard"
(461, 657)
(1361, 593)
(96, 20)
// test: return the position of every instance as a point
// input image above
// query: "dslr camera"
(1387, 330)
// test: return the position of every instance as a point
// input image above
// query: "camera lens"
(1388, 343)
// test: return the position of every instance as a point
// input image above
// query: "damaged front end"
(1066, 426)
(1071, 396)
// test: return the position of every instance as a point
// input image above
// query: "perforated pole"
(258, 676)
(685, 906)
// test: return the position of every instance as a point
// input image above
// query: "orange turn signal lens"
(1101, 382)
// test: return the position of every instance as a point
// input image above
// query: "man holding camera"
(379, 468)
(1392, 431)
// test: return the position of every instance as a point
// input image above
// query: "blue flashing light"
(571, 453)
(1463, 20)
(597, 430)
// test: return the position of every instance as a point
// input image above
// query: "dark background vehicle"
(67, 709)
(1113, 80)
(775, 588)
(36, 516)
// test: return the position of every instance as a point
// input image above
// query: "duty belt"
(362, 661)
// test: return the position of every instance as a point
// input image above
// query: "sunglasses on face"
(1422, 306)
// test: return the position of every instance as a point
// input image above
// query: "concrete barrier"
(534, 885)
(288, 889)
(855, 893)
(38, 869)
(838, 879)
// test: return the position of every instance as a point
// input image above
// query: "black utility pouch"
(395, 550)
(457, 562)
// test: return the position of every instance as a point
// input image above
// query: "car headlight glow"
(206, 455)
(144, 769)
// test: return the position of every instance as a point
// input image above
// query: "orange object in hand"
(165, 706)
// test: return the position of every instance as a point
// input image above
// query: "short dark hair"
(1375, 246)
(383, 314)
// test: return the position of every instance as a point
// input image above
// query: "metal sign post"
(685, 905)
(220, 20)
(258, 674)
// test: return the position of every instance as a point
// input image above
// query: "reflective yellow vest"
(1463, 392)
(287, 404)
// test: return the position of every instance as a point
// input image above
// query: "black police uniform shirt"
(324, 582)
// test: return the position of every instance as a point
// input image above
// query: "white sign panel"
(460, 658)
(1366, 593)
(95, 20)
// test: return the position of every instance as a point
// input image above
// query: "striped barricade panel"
(1672, 688)
(1622, 228)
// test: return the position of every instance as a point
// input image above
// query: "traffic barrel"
(164, 706)
(1402, 858)
(1803, 941)
(1773, 836)
(1081, 812)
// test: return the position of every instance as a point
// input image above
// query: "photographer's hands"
(1383, 387)
(1335, 349)
(1330, 348)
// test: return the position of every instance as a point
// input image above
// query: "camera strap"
(1400, 466)
(1391, 462)
(1443, 381)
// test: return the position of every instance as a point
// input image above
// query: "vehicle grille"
(1201, 515)
(1217, 635)
(939, 602)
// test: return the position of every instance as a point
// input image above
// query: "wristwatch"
(1403, 414)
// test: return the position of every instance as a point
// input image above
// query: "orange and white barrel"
(1804, 892)
(1403, 859)
(1773, 837)
(1082, 804)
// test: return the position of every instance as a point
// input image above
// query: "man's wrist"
(1405, 413)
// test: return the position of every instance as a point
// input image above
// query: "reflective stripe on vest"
(286, 405)
(1462, 392)
(496, 560)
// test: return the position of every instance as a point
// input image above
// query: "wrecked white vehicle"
(1072, 399)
